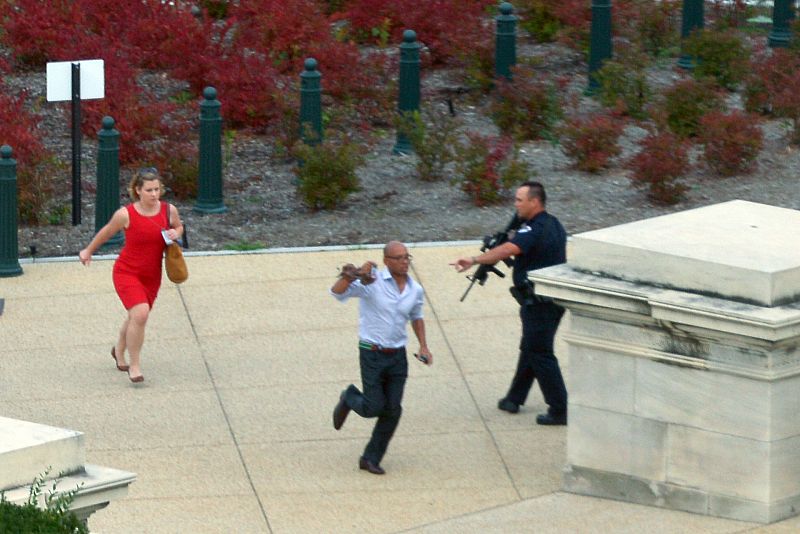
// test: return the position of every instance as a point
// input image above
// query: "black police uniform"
(543, 242)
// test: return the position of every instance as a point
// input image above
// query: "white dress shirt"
(383, 310)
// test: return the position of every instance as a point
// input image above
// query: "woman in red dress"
(137, 271)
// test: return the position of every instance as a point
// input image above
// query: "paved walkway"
(231, 431)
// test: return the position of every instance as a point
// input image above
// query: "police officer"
(539, 242)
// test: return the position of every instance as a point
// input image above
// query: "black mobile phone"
(423, 359)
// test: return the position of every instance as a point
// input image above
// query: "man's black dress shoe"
(367, 465)
(550, 419)
(340, 412)
(507, 405)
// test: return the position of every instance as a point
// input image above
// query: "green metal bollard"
(782, 15)
(599, 40)
(505, 42)
(209, 190)
(408, 98)
(9, 245)
(693, 19)
(107, 201)
(311, 103)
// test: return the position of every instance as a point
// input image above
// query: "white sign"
(59, 80)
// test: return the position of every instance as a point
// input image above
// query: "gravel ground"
(265, 211)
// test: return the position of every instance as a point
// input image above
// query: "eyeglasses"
(148, 170)
(408, 257)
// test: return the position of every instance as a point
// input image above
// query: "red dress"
(137, 271)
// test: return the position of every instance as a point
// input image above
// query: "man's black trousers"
(383, 379)
(536, 359)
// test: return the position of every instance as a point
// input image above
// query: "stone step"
(28, 449)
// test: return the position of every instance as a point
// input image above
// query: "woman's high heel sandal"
(136, 379)
(123, 368)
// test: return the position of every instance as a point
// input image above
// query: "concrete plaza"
(231, 430)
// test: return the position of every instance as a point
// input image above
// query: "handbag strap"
(166, 212)
(163, 212)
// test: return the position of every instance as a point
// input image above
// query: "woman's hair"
(138, 180)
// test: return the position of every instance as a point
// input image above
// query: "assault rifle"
(489, 242)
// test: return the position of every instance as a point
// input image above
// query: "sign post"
(66, 80)
(76, 143)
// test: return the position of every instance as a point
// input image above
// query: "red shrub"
(99, 29)
(345, 73)
(289, 31)
(247, 86)
(592, 141)
(38, 179)
(168, 36)
(487, 165)
(446, 27)
(246, 57)
(18, 129)
(773, 86)
(283, 29)
(153, 34)
(37, 31)
(140, 117)
(663, 159)
(731, 142)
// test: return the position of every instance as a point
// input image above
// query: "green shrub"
(54, 518)
(527, 107)
(687, 101)
(332, 6)
(478, 67)
(59, 215)
(656, 26)
(623, 85)
(38, 190)
(731, 143)
(539, 20)
(243, 245)
(178, 165)
(794, 42)
(486, 166)
(326, 172)
(433, 138)
(16, 519)
(216, 9)
(721, 55)
(284, 129)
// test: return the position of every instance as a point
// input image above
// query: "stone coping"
(737, 250)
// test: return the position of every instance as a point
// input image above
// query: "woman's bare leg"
(119, 348)
(134, 337)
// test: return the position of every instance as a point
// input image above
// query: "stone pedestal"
(28, 450)
(684, 361)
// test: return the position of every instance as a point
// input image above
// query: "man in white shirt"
(389, 299)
